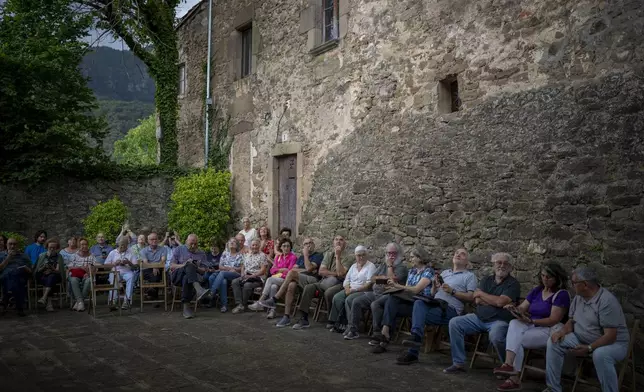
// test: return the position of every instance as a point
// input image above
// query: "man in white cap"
(494, 292)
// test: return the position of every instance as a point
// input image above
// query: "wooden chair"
(529, 354)
(144, 285)
(479, 351)
(321, 307)
(102, 270)
(628, 361)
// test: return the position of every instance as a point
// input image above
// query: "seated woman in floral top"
(538, 316)
(253, 273)
(401, 304)
(229, 270)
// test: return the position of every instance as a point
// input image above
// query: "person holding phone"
(392, 267)
(253, 270)
(14, 272)
(50, 268)
(538, 315)
(454, 286)
(229, 269)
(187, 272)
(122, 259)
(101, 249)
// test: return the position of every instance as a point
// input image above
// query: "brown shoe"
(505, 370)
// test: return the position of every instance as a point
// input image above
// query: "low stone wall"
(58, 206)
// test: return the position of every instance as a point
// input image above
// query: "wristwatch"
(452, 292)
(590, 349)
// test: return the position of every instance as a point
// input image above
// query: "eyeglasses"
(308, 243)
(577, 281)
(392, 253)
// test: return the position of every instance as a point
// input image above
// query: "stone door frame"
(279, 150)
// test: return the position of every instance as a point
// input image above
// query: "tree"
(139, 146)
(46, 120)
(147, 27)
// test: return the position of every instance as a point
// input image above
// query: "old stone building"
(500, 125)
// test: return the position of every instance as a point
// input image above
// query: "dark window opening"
(246, 50)
(330, 20)
(449, 100)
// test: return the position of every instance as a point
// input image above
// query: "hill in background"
(123, 87)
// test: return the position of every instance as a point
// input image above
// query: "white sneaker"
(125, 306)
(255, 307)
(271, 314)
(49, 308)
(42, 301)
(75, 307)
(81, 306)
(238, 309)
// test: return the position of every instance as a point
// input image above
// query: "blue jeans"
(219, 281)
(424, 314)
(471, 324)
(604, 359)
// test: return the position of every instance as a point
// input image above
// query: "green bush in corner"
(107, 218)
(22, 240)
(201, 205)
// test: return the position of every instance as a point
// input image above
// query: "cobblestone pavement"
(158, 351)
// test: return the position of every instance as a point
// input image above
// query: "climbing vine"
(220, 141)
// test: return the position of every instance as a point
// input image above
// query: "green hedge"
(107, 218)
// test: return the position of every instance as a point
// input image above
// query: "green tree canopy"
(46, 120)
(139, 146)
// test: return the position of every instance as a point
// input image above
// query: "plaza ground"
(159, 351)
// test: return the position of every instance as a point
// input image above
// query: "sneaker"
(285, 321)
(505, 370)
(376, 338)
(42, 301)
(49, 308)
(351, 335)
(81, 306)
(454, 369)
(406, 359)
(268, 303)
(509, 385)
(75, 307)
(379, 349)
(255, 307)
(338, 329)
(374, 342)
(301, 324)
(238, 309)
(411, 343)
(223, 309)
(271, 314)
(330, 326)
(125, 306)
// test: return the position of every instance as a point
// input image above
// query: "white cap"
(361, 249)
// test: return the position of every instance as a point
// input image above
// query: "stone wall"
(545, 158)
(59, 206)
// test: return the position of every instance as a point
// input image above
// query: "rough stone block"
(242, 105)
(343, 26)
(568, 214)
(307, 19)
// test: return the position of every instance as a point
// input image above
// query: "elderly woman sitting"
(253, 270)
(400, 301)
(122, 259)
(357, 281)
(538, 315)
(50, 269)
(229, 269)
(78, 269)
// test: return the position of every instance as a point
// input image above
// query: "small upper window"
(246, 50)
(182, 79)
(329, 20)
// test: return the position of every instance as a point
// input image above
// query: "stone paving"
(159, 351)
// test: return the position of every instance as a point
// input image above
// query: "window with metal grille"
(246, 50)
(182, 79)
(330, 20)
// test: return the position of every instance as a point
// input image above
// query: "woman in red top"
(266, 243)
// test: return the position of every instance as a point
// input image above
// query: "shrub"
(22, 240)
(200, 204)
(107, 218)
(139, 146)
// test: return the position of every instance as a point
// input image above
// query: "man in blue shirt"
(153, 254)
(34, 250)
(185, 272)
(101, 249)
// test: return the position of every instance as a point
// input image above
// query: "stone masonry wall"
(545, 160)
(59, 206)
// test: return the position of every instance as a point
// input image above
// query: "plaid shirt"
(415, 276)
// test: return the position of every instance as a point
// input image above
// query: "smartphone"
(381, 281)
(440, 280)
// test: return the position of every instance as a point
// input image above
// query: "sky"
(108, 40)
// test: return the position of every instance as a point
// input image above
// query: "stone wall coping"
(325, 47)
(286, 149)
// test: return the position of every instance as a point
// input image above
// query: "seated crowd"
(592, 324)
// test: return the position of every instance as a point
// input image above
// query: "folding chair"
(479, 352)
(321, 307)
(529, 354)
(628, 361)
(101, 270)
(143, 285)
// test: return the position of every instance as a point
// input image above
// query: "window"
(246, 50)
(448, 95)
(329, 20)
(182, 79)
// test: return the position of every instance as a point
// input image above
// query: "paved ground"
(159, 351)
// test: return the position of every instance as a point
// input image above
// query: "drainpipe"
(208, 97)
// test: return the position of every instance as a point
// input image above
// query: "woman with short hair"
(71, 249)
(79, 277)
(253, 272)
(542, 312)
(400, 302)
(229, 269)
(50, 269)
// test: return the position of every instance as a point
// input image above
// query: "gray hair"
(502, 255)
(422, 254)
(587, 275)
(399, 252)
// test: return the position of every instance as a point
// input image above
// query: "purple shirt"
(540, 309)
(181, 254)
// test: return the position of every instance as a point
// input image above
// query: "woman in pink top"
(284, 262)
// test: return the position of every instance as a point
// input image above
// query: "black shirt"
(509, 287)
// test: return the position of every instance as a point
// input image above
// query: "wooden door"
(287, 193)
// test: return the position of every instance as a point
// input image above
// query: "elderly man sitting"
(187, 273)
(122, 259)
(14, 272)
(596, 327)
(493, 293)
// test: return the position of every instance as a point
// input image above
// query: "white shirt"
(249, 235)
(358, 277)
(115, 256)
